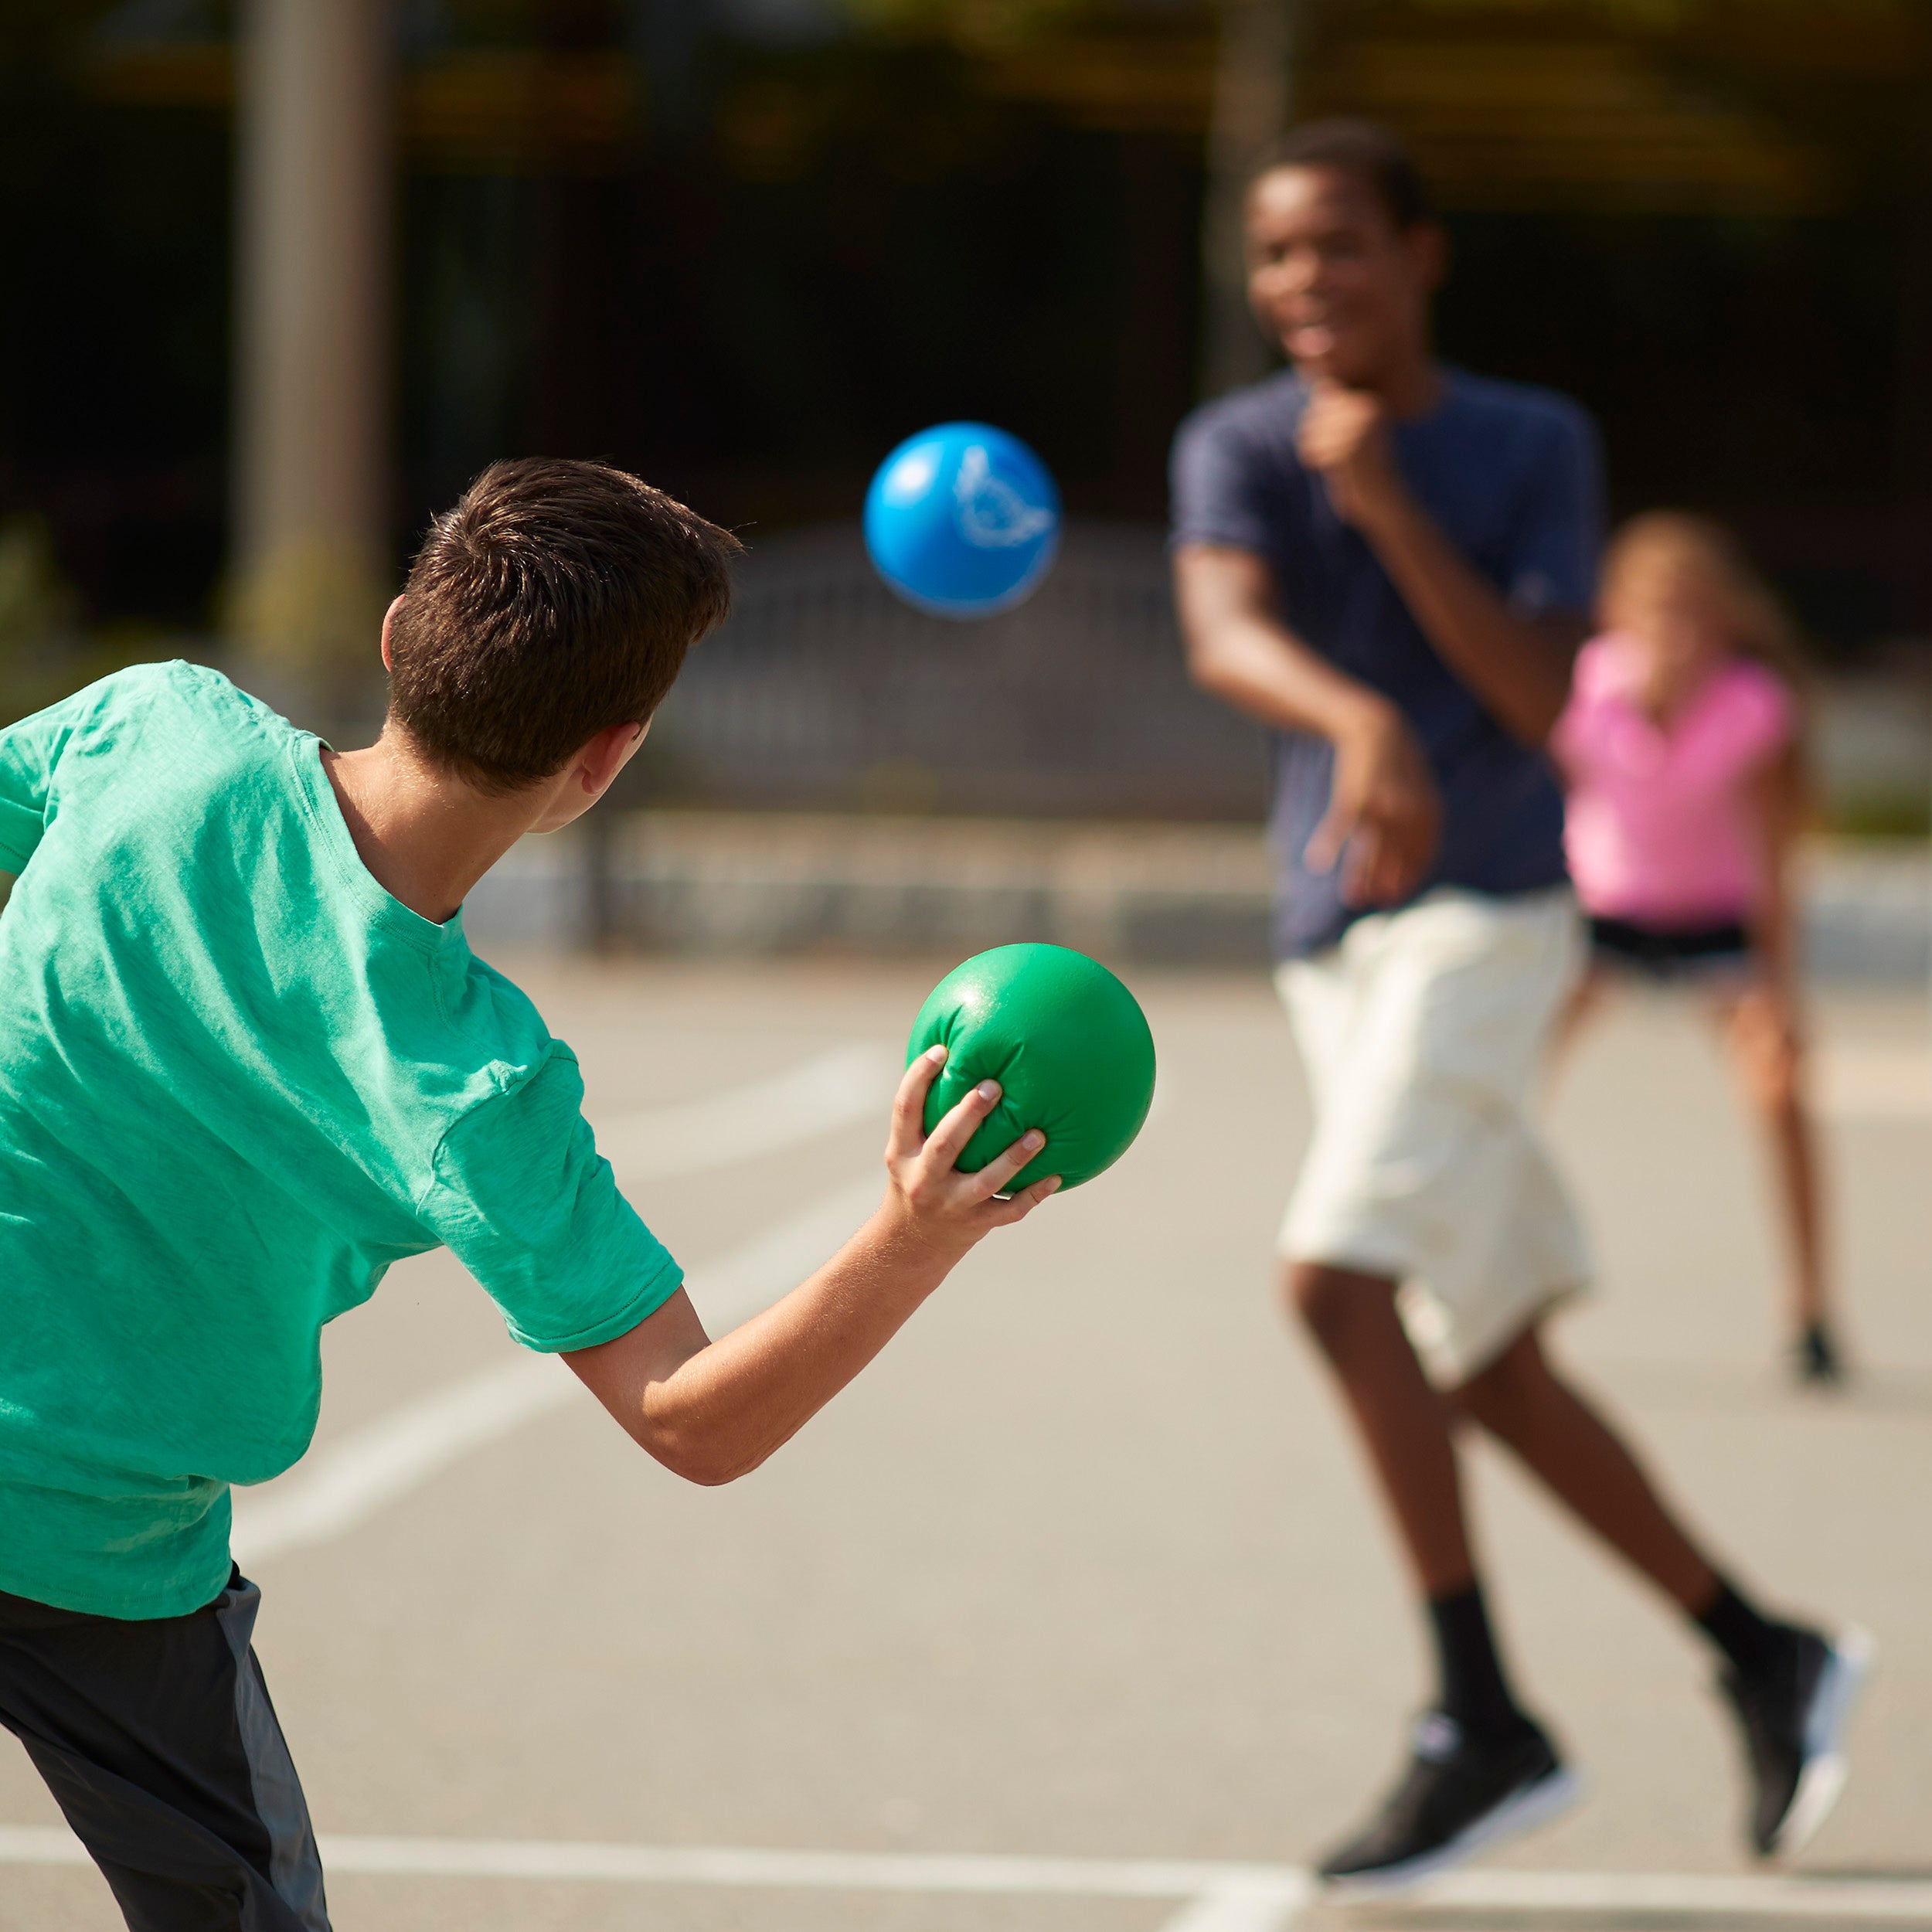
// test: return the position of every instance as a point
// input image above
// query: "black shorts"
(158, 1741)
(1671, 952)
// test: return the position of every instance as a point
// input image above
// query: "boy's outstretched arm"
(713, 1411)
(1384, 817)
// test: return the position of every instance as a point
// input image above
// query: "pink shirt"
(1658, 828)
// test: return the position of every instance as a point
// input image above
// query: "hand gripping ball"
(1065, 1040)
(962, 520)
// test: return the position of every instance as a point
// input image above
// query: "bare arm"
(1383, 815)
(713, 1411)
(1519, 666)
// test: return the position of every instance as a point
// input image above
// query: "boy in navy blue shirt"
(1390, 563)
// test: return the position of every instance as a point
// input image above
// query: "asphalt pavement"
(1075, 1613)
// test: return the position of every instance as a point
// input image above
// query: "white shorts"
(1423, 1033)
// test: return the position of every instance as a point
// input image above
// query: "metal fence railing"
(823, 690)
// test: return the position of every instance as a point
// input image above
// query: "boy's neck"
(426, 836)
(1414, 388)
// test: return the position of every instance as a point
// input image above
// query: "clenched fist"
(1344, 437)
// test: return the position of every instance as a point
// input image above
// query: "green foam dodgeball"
(1068, 1044)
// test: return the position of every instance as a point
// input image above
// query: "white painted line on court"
(1216, 1897)
(851, 1083)
(1842, 1901)
(731, 1866)
(40, 1844)
(369, 1470)
(347, 1485)
(1266, 1904)
(751, 1278)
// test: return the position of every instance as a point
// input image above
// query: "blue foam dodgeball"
(962, 520)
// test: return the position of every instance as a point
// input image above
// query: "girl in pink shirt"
(1682, 746)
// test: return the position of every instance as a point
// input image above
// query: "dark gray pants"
(159, 1740)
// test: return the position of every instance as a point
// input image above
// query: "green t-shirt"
(237, 1081)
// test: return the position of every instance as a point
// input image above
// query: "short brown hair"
(1365, 149)
(558, 598)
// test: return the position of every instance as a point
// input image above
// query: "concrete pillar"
(315, 175)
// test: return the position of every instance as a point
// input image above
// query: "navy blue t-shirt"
(1512, 476)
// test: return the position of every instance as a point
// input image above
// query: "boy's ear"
(389, 617)
(608, 752)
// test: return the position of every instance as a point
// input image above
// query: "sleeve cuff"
(1221, 539)
(661, 1284)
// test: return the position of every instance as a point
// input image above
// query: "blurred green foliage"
(1894, 813)
(38, 613)
(46, 651)
(43, 648)
(36, 605)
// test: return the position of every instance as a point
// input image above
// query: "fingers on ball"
(998, 1171)
(1021, 1205)
(949, 1138)
(909, 1103)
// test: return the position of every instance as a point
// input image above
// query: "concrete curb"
(729, 884)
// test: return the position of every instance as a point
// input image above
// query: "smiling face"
(1332, 278)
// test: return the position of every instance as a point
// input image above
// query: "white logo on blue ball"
(991, 512)
(962, 520)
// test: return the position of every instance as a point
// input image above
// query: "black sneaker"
(1461, 1795)
(1794, 1718)
(1815, 1360)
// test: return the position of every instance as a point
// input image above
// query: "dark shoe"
(1461, 1795)
(1815, 1360)
(1793, 1717)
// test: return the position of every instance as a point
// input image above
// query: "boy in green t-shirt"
(249, 1061)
